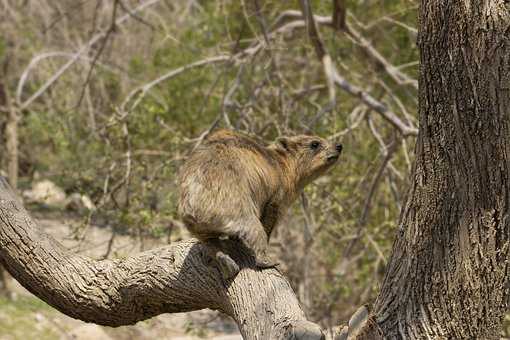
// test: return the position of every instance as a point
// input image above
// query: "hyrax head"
(310, 156)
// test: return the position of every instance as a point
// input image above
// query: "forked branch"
(175, 278)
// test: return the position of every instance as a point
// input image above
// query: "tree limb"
(83, 49)
(339, 12)
(322, 54)
(375, 105)
(394, 72)
(331, 72)
(175, 278)
(398, 76)
(142, 90)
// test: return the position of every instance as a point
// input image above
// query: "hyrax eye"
(315, 145)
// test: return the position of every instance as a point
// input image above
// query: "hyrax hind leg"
(227, 266)
(251, 233)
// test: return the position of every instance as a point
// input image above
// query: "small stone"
(46, 192)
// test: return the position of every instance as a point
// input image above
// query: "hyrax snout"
(235, 186)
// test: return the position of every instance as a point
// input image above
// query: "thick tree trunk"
(175, 278)
(448, 273)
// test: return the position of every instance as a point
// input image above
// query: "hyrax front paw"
(228, 267)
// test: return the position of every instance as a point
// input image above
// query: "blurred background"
(102, 101)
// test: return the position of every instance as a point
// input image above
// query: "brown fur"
(235, 186)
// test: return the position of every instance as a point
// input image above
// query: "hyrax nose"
(339, 148)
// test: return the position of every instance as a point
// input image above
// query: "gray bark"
(175, 278)
(448, 274)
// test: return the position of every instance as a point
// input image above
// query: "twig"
(142, 90)
(227, 99)
(377, 248)
(63, 15)
(110, 244)
(412, 30)
(398, 76)
(397, 101)
(322, 55)
(40, 57)
(100, 50)
(388, 153)
(340, 81)
(207, 132)
(339, 14)
(394, 72)
(375, 105)
(135, 16)
(311, 28)
(357, 121)
(83, 49)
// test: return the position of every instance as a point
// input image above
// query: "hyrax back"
(235, 186)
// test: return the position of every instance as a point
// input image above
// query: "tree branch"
(332, 74)
(375, 105)
(83, 49)
(339, 12)
(322, 54)
(142, 90)
(175, 278)
(398, 76)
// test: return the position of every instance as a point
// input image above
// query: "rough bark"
(448, 273)
(175, 278)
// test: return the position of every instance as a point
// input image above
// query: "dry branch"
(83, 49)
(175, 278)
(375, 105)
(332, 73)
(327, 64)
(398, 76)
(141, 91)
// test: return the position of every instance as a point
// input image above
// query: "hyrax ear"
(283, 143)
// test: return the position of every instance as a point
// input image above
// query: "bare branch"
(135, 16)
(311, 28)
(142, 90)
(394, 72)
(388, 154)
(398, 76)
(322, 55)
(333, 74)
(100, 50)
(41, 57)
(375, 105)
(169, 279)
(83, 49)
(339, 12)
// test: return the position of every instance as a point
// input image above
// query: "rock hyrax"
(235, 186)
